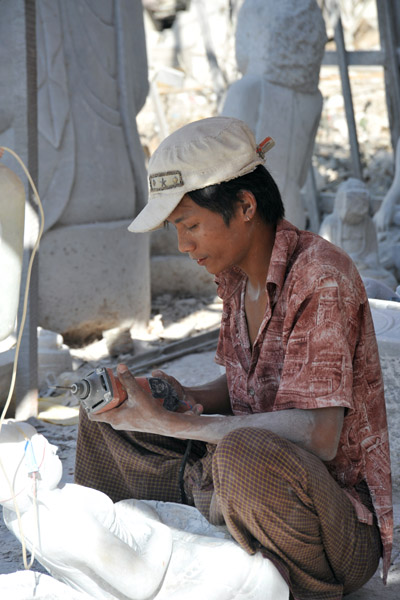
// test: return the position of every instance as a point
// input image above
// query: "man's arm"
(316, 430)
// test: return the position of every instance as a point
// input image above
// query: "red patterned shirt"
(316, 348)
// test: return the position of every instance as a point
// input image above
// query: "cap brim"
(154, 214)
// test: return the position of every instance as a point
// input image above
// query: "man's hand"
(189, 405)
(140, 410)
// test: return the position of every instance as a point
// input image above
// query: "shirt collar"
(286, 239)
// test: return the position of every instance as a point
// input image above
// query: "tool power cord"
(15, 363)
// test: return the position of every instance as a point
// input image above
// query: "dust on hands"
(139, 412)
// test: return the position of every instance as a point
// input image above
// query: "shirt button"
(251, 391)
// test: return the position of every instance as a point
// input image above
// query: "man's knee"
(249, 444)
(257, 464)
(243, 456)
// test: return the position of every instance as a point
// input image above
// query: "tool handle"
(160, 389)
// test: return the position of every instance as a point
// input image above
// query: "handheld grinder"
(100, 390)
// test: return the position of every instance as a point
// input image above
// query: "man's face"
(204, 235)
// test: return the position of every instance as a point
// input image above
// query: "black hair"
(223, 197)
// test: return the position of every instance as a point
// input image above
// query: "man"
(296, 462)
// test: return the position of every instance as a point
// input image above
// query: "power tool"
(100, 391)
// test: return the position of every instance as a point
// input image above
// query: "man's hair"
(223, 197)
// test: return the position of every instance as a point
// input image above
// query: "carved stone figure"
(387, 222)
(92, 82)
(279, 49)
(350, 227)
(123, 550)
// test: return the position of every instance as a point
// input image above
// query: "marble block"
(179, 274)
(92, 278)
(386, 317)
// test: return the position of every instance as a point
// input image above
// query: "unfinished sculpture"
(387, 222)
(279, 49)
(350, 226)
(123, 550)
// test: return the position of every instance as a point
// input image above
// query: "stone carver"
(350, 226)
(289, 447)
(118, 550)
(279, 49)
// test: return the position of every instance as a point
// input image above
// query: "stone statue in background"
(92, 82)
(123, 550)
(387, 222)
(351, 227)
(380, 291)
(279, 50)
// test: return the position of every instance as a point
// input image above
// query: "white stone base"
(386, 317)
(179, 274)
(92, 278)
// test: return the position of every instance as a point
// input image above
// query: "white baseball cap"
(199, 154)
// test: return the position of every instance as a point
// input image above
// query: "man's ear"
(247, 204)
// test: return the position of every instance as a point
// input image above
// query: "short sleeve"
(317, 369)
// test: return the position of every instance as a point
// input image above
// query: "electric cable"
(15, 362)
(28, 279)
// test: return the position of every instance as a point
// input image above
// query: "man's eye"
(193, 227)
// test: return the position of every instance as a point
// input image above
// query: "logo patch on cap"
(165, 181)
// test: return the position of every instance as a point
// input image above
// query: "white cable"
(17, 349)
(27, 283)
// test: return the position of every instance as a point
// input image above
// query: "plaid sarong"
(125, 464)
(275, 497)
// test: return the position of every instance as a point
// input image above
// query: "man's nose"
(185, 243)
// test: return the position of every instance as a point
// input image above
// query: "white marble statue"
(387, 222)
(279, 49)
(123, 550)
(350, 226)
(92, 82)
